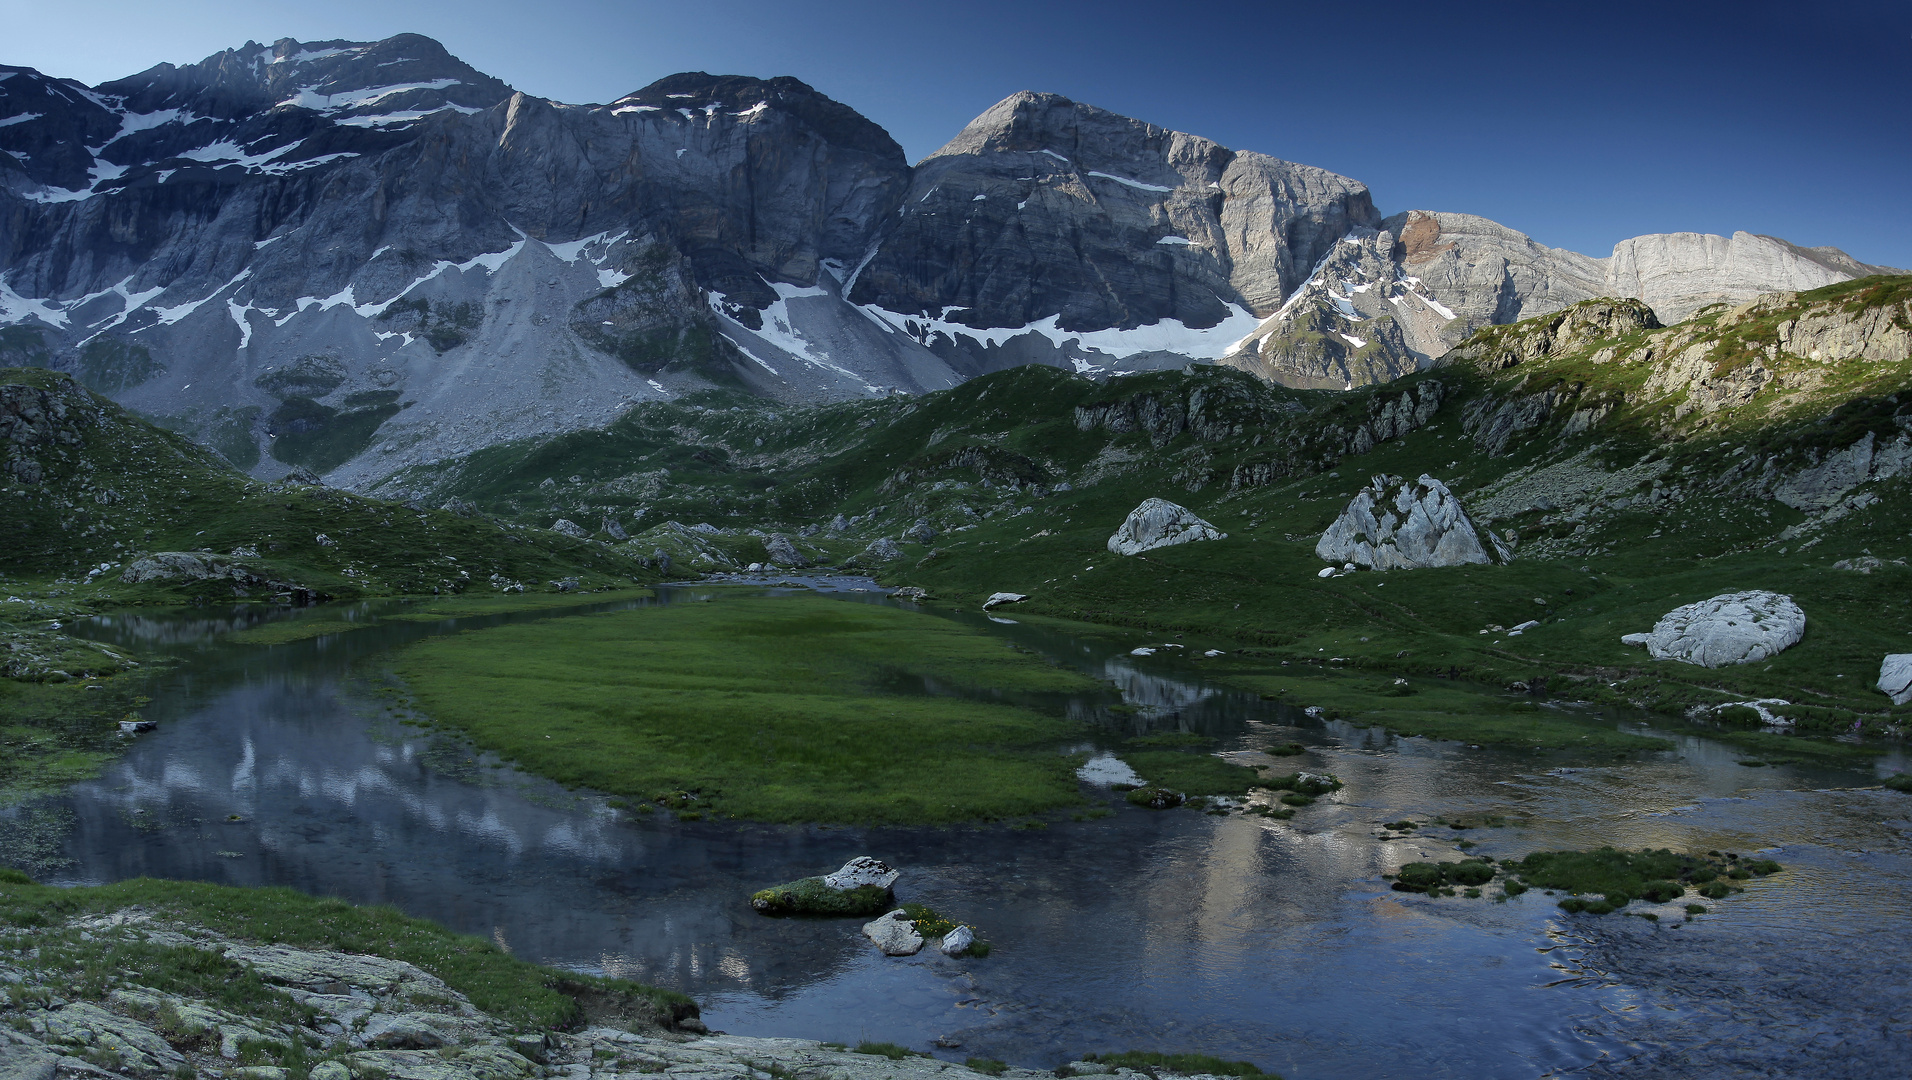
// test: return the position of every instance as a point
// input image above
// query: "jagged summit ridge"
(376, 253)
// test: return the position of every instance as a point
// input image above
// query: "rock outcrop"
(861, 872)
(1679, 273)
(1895, 677)
(1158, 523)
(1732, 628)
(1397, 524)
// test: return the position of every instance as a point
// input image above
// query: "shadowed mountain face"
(361, 256)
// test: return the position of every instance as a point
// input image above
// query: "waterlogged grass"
(493, 980)
(1187, 1064)
(435, 608)
(1607, 880)
(287, 631)
(768, 709)
(1191, 773)
(55, 734)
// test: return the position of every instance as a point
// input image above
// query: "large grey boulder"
(782, 550)
(1895, 677)
(570, 528)
(1732, 628)
(1158, 523)
(1397, 524)
(895, 934)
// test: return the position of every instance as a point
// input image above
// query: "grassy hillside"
(1638, 468)
(89, 487)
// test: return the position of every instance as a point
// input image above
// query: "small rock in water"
(895, 934)
(958, 941)
(861, 871)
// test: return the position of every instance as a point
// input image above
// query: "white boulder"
(894, 933)
(958, 941)
(1636, 640)
(1895, 677)
(861, 871)
(1397, 524)
(570, 528)
(1159, 523)
(1732, 628)
(998, 599)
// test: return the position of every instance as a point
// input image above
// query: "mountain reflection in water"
(1275, 942)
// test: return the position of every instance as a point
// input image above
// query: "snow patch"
(1174, 240)
(1168, 335)
(15, 308)
(20, 119)
(1352, 340)
(1126, 182)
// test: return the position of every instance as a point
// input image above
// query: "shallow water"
(1271, 941)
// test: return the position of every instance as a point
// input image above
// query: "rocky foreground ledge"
(327, 1015)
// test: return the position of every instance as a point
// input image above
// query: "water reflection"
(1271, 941)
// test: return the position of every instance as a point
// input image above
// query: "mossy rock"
(810, 896)
(1156, 798)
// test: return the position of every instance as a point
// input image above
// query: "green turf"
(770, 709)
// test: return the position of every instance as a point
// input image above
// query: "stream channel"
(1272, 941)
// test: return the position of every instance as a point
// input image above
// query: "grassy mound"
(810, 896)
(789, 709)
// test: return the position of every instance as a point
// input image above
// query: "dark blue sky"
(1579, 123)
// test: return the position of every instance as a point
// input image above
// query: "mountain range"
(361, 257)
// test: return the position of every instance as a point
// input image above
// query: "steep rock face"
(457, 263)
(1387, 301)
(1047, 211)
(1680, 273)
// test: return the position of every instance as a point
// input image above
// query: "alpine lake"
(289, 755)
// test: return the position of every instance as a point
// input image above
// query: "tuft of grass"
(1152, 1061)
(888, 1050)
(986, 1066)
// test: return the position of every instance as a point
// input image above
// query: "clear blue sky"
(1579, 123)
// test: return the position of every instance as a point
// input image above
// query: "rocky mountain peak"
(405, 73)
(691, 92)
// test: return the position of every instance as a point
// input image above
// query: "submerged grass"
(768, 709)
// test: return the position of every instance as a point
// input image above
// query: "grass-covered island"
(789, 709)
